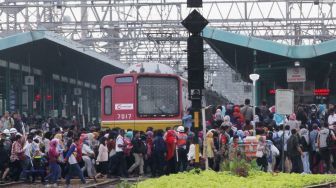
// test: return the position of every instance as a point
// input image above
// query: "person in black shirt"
(4, 160)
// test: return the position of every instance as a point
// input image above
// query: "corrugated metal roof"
(32, 36)
(289, 51)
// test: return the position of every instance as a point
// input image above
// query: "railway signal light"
(195, 22)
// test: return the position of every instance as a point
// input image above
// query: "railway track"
(75, 183)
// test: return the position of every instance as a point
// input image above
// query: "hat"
(18, 134)
(12, 130)
(180, 129)
(6, 131)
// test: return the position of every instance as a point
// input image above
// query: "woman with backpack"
(72, 158)
(304, 142)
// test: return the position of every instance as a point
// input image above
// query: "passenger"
(4, 160)
(235, 151)
(247, 110)
(28, 151)
(17, 156)
(171, 149)
(304, 142)
(323, 142)
(210, 149)
(7, 122)
(149, 151)
(261, 153)
(87, 155)
(295, 152)
(120, 155)
(72, 158)
(102, 158)
(187, 119)
(181, 144)
(314, 157)
(54, 168)
(159, 151)
(138, 151)
(128, 148)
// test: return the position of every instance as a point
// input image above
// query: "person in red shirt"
(53, 166)
(171, 147)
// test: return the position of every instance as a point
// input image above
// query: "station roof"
(53, 53)
(241, 52)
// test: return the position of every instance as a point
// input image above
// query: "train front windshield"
(158, 96)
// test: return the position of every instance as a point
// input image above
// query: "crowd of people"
(306, 139)
(302, 142)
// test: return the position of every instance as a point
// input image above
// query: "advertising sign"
(284, 101)
(123, 106)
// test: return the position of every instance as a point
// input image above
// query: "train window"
(123, 80)
(108, 100)
(158, 96)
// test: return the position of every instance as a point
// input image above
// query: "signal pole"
(195, 23)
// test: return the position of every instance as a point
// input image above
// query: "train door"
(106, 103)
(124, 102)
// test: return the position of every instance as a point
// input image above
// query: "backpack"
(78, 153)
(290, 145)
(278, 141)
(330, 142)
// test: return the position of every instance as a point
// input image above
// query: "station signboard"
(296, 74)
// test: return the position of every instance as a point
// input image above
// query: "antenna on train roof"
(157, 69)
(142, 69)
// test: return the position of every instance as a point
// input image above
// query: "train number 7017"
(124, 116)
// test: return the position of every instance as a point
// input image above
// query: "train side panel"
(122, 101)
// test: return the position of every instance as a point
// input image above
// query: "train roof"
(150, 68)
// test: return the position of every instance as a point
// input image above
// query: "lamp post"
(254, 78)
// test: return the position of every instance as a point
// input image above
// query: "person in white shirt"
(102, 158)
(87, 155)
(120, 156)
(74, 168)
(332, 117)
(30, 149)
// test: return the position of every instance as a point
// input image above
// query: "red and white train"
(146, 95)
